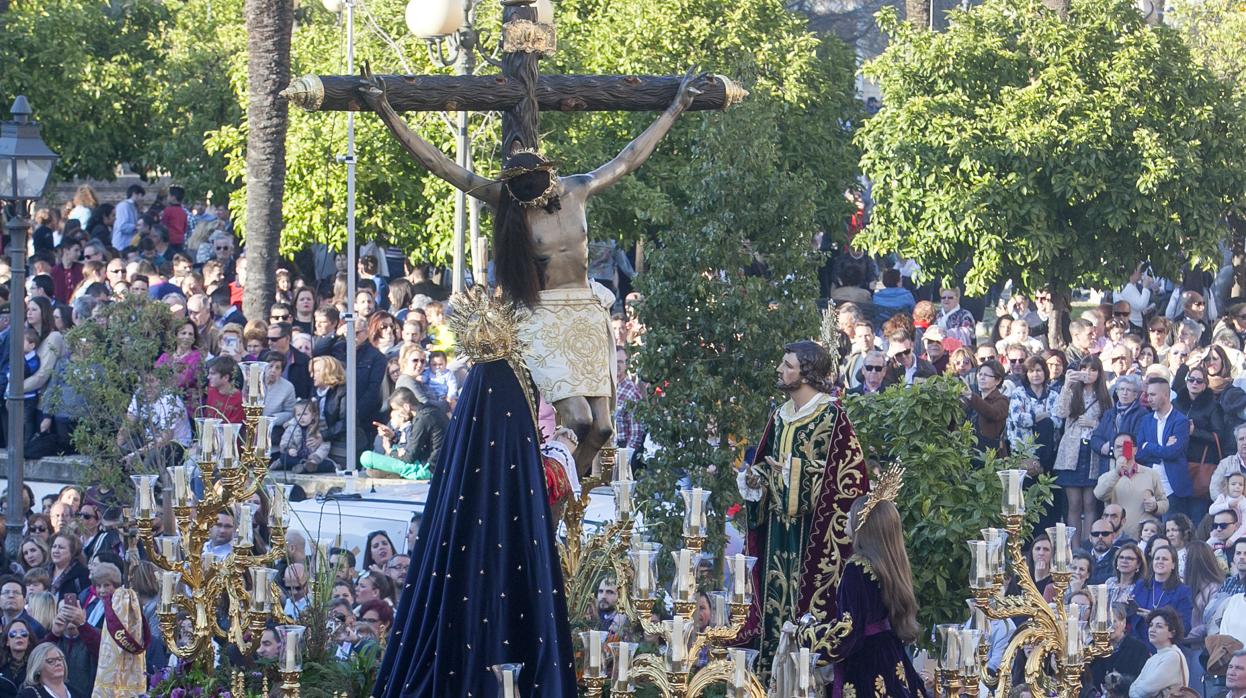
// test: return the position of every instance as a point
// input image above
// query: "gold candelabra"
(1061, 644)
(633, 564)
(196, 581)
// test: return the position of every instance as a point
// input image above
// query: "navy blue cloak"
(485, 586)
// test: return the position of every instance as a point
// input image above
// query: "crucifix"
(540, 228)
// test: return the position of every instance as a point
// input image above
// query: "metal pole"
(352, 387)
(460, 199)
(15, 512)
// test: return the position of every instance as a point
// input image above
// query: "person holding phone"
(78, 644)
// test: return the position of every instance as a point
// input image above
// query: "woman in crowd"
(14, 649)
(1167, 669)
(383, 333)
(95, 539)
(378, 550)
(1163, 587)
(1230, 398)
(1130, 566)
(329, 380)
(51, 344)
(99, 225)
(1123, 417)
(372, 586)
(186, 360)
(1204, 576)
(412, 360)
(229, 341)
(1000, 331)
(46, 674)
(34, 554)
(1159, 336)
(1031, 414)
(987, 409)
(1147, 357)
(375, 619)
(69, 574)
(876, 591)
(1082, 402)
(1179, 531)
(40, 526)
(963, 365)
(1198, 403)
(254, 339)
(144, 580)
(84, 203)
(40, 604)
(304, 309)
(1057, 363)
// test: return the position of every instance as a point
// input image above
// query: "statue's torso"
(561, 240)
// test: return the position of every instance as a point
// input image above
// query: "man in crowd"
(13, 605)
(608, 616)
(628, 432)
(1081, 342)
(1116, 515)
(297, 364)
(1223, 524)
(174, 217)
(873, 374)
(906, 367)
(1235, 678)
(222, 541)
(1102, 552)
(1164, 435)
(127, 215)
(296, 587)
(936, 353)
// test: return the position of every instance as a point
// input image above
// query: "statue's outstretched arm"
(430, 157)
(639, 150)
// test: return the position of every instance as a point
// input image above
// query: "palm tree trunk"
(918, 13)
(269, 27)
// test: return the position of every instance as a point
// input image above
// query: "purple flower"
(178, 692)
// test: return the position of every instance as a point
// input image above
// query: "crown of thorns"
(547, 166)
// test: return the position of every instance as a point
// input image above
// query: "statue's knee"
(602, 433)
(582, 425)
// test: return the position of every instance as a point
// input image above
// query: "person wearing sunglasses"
(873, 374)
(14, 649)
(94, 538)
(1228, 515)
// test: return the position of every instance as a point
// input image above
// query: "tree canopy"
(1049, 151)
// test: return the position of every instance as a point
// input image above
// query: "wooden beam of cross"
(520, 93)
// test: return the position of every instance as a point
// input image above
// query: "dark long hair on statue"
(514, 253)
(529, 181)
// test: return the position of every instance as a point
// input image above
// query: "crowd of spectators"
(73, 558)
(1136, 405)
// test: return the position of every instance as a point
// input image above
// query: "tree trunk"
(918, 13)
(1060, 7)
(1238, 224)
(269, 27)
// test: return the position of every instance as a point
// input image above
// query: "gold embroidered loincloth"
(569, 349)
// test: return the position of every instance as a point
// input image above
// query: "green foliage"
(947, 499)
(108, 358)
(1048, 150)
(89, 69)
(714, 332)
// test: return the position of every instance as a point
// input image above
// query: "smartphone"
(230, 343)
(70, 598)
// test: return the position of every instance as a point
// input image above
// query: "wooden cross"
(520, 92)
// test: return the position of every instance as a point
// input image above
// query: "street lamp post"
(352, 340)
(26, 165)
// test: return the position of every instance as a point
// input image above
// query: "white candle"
(508, 683)
(739, 571)
(677, 639)
(291, 655)
(595, 638)
(803, 669)
(981, 572)
(1100, 595)
(276, 505)
(644, 559)
(1072, 637)
(263, 436)
(229, 442)
(208, 437)
(739, 673)
(181, 484)
(623, 464)
(698, 527)
(168, 589)
(623, 662)
(685, 575)
(1062, 546)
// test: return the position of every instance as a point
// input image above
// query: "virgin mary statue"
(484, 586)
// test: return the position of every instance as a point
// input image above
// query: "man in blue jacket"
(1164, 435)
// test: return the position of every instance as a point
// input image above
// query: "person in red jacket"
(67, 273)
(174, 217)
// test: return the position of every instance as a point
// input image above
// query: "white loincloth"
(569, 347)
